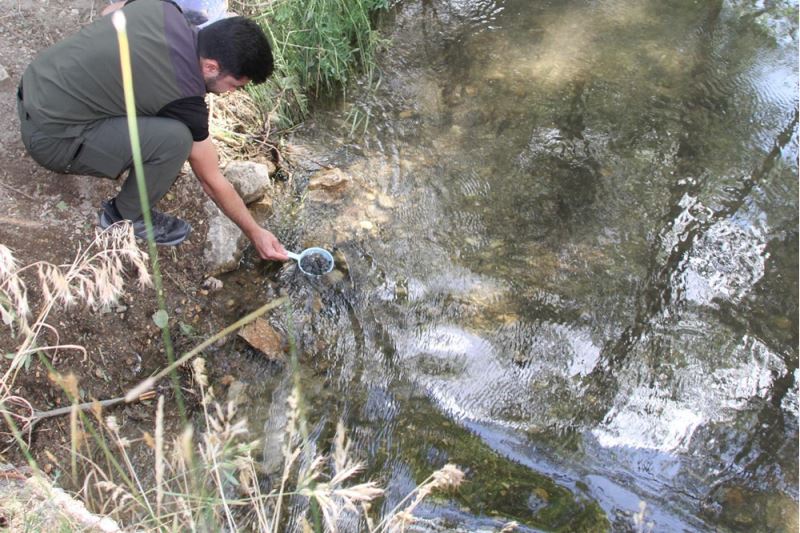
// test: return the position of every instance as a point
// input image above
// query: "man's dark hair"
(240, 47)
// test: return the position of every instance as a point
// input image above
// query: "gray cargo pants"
(103, 149)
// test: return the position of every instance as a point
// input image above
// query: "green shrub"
(319, 46)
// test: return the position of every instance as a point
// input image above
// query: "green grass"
(319, 46)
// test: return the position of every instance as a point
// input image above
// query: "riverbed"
(567, 263)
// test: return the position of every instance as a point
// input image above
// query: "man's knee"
(172, 140)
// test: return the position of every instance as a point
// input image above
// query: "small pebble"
(212, 284)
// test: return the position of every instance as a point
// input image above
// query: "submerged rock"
(332, 179)
(251, 180)
(237, 393)
(275, 426)
(328, 185)
(262, 336)
(212, 284)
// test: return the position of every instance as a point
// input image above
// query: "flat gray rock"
(225, 242)
(251, 180)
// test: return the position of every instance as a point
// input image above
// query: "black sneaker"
(168, 230)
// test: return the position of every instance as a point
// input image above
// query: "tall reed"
(118, 19)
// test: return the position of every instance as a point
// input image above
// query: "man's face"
(223, 83)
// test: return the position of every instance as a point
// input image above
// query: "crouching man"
(72, 110)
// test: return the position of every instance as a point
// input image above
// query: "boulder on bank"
(328, 185)
(31, 503)
(251, 180)
(225, 242)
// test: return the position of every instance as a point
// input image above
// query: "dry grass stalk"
(122, 445)
(332, 496)
(446, 478)
(159, 450)
(215, 450)
(230, 116)
(74, 440)
(291, 452)
(94, 278)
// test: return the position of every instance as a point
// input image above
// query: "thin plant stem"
(216, 467)
(132, 471)
(85, 406)
(159, 466)
(21, 442)
(118, 18)
(151, 381)
(73, 426)
(101, 442)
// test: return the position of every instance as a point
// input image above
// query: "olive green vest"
(78, 80)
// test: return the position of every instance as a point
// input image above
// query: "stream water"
(567, 262)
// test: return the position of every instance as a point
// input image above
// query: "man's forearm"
(205, 164)
(228, 200)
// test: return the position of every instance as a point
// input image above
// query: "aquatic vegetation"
(491, 484)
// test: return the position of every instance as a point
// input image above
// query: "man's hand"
(268, 246)
(204, 162)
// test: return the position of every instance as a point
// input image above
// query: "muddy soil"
(48, 217)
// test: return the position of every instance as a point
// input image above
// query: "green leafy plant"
(319, 46)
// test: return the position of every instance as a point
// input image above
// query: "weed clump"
(319, 46)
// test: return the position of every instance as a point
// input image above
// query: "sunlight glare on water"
(574, 233)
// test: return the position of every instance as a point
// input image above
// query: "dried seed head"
(95, 277)
(185, 443)
(199, 367)
(117, 493)
(68, 383)
(97, 410)
(449, 476)
(401, 521)
(8, 265)
(148, 440)
(363, 492)
(111, 422)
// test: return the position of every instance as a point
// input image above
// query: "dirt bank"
(45, 216)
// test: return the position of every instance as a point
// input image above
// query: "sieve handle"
(294, 256)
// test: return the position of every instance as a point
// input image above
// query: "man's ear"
(210, 67)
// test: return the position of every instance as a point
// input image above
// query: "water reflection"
(574, 233)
